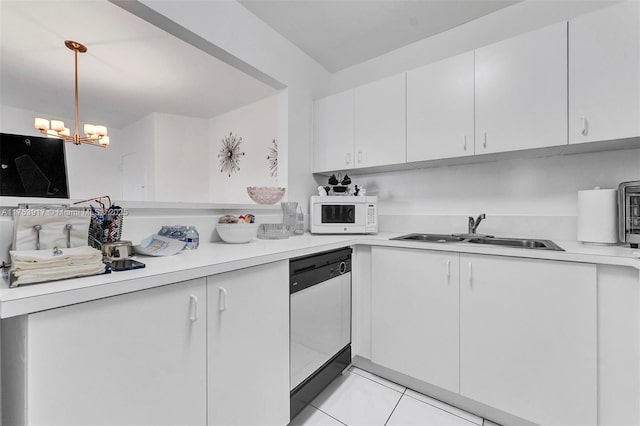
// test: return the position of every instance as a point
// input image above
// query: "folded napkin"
(33, 259)
(56, 273)
(32, 266)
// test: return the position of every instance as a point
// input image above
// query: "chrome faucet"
(473, 224)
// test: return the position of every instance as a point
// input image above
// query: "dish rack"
(106, 222)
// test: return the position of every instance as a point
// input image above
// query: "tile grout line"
(447, 411)
(324, 412)
(394, 407)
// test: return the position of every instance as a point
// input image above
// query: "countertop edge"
(45, 296)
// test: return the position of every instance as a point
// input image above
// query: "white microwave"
(344, 214)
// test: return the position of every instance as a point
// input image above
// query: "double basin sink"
(482, 239)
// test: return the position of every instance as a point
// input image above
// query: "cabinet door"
(248, 346)
(528, 337)
(138, 358)
(380, 122)
(604, 74)
(333, 132)
(415, 314)
(440, 109)
(521, 92)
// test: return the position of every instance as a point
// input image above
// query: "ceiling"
(131, 69)
(339, 34)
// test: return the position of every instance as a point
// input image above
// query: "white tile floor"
(361, 398)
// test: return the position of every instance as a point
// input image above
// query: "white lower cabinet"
(518, 335)
(415, 314)
(134, 359)
(528, 337)
(211, 351)
(248, 346)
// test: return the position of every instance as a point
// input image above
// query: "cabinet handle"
(470, 273)
(448, 270)
(222, 299)
(585, 127)
(359, 156)
(193, 308)
(348, 158)
(465, 142)
(484, 136)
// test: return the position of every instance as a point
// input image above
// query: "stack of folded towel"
(34, 266)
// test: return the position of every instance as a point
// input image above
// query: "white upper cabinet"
(380, 122)
(333, 132)
(604, 74)
(521, 92)
(440, 109)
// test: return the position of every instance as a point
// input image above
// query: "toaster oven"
(629, 212)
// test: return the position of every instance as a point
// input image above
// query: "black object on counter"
(126, 265)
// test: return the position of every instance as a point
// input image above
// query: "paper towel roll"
(598, 216)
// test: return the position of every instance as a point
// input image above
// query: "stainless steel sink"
(431, 238)
(527, 243)
(517, 243)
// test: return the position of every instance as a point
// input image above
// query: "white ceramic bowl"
(265, 194)
(237, 233)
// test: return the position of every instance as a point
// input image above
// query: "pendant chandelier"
(96, 135)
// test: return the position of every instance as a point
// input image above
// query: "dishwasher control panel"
(307, 271)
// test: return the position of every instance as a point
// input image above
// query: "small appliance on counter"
(629, 212)
(598, 216)
(344, 214)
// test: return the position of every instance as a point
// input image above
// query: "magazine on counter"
(155, 245)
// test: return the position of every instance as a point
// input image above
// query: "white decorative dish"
(237, 233)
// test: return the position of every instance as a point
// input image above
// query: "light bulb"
(101, 130)
(104, 141)
(42, 124)
(57, 125)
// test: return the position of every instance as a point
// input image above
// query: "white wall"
(181, 158)
(231, 27)
(257, 124)
(138, 165)
(91, 171)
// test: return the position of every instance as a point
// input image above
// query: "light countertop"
(215, 258)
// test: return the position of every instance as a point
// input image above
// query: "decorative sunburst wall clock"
(230, 154)
(273, 158)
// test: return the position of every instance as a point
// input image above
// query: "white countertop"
(215, 258)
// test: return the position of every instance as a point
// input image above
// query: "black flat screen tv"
(32, 166)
